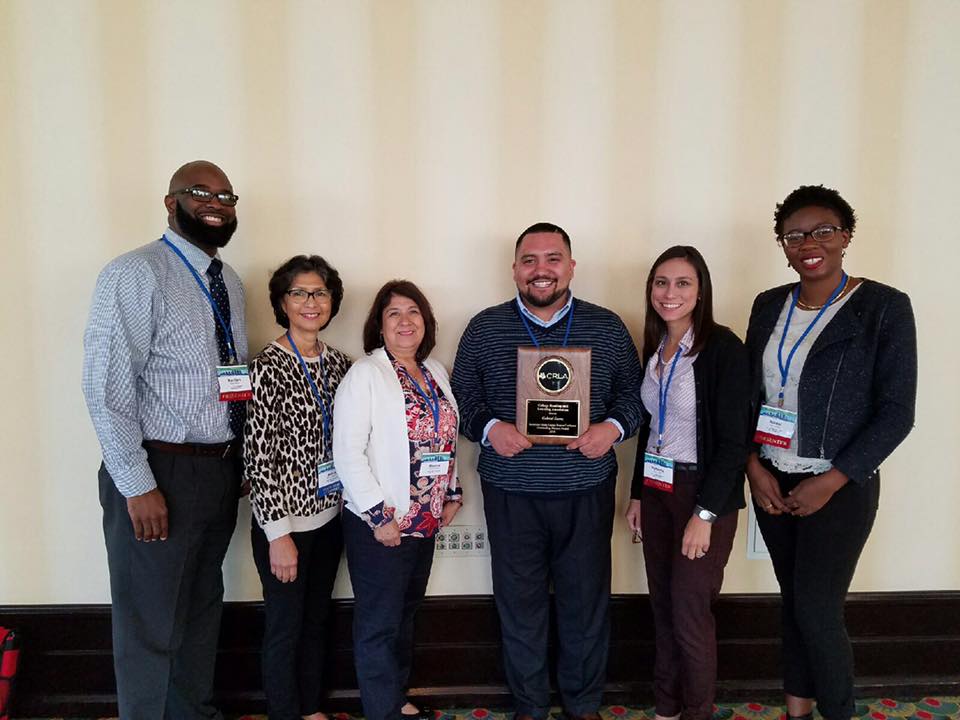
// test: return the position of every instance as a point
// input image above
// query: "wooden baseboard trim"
(903, 643)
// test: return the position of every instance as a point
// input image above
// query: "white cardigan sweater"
(371, 448)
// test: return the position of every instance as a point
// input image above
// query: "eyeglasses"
(299, 295)
(821, 234)
(201, 195)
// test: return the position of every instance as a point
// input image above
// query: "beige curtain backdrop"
(416, 139)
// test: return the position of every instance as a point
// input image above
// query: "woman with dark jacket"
(834, 379)
(688, 478)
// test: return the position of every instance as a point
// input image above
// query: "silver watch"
(704, 514)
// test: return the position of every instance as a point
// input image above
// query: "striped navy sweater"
(484, 383)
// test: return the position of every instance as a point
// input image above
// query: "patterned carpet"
(944, 708)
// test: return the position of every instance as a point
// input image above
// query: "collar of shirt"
(197, 258)
(545, 323)
(686, 342)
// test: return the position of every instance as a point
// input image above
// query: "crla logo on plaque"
(554, 375)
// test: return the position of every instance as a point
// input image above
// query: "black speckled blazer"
(858, 386)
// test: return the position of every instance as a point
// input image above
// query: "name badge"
(328, 482)
(434, 464)
(658, 472)
(775, 426)
(234, 382)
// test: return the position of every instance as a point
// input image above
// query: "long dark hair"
(373, 327)
(654, 327)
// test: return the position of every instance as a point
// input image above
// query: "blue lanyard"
(228, 335)
(785, 369)
(314, 388)
(433, 401)
(662, 391)
(533, 339)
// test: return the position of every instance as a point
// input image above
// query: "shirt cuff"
(486, 431)
(618, 426)
(277, 528)
(135, 480)
(378, 516)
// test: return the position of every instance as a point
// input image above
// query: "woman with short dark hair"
(834, 382)
(395, 447)
(294, 492)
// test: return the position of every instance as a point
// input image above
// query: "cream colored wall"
(416, 139)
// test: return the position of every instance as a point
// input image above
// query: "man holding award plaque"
(547, 383)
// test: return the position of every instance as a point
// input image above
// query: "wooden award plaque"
(553, 393)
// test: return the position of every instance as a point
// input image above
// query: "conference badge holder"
(234, 382)
(775, 426)
(434, 464)
(658, 472)
(328, 482)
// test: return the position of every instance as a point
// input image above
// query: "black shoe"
(588, 716)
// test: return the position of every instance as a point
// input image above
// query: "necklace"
(847, 288)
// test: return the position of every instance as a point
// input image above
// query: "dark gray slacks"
(682, 593)
(167, 595)
(564, 540)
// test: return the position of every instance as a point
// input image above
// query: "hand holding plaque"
(553, 393)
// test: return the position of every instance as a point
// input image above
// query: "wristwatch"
(704, 514)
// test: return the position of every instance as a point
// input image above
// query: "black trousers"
(682, 593)
(566, 540)
(167, 595)
(296, 620)
(814, 558)
(388, 586)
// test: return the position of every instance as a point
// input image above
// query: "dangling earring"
(843, 253)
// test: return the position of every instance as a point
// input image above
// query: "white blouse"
(680, 424)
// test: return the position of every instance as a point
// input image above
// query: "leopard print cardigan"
(283, 439)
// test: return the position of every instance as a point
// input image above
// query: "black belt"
(220, 450)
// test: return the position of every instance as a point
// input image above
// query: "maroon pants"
(682, 593)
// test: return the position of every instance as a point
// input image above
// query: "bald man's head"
(187, 175)
(209, 219)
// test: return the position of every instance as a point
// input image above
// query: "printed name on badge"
(658, 472)
(775, 426)
(328, 482)
(234, 382)
(434, 464)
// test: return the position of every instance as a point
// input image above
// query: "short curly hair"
(814, 196)
(283, 277)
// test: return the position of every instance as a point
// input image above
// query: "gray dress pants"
(167, 595)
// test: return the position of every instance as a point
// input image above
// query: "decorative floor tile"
(942, 708)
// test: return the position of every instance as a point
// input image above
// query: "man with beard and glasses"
(165, 384)
(549, 508)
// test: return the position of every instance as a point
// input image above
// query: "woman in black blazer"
(834, 377)
(688, 478)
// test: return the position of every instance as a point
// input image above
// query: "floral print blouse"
(428, 493)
